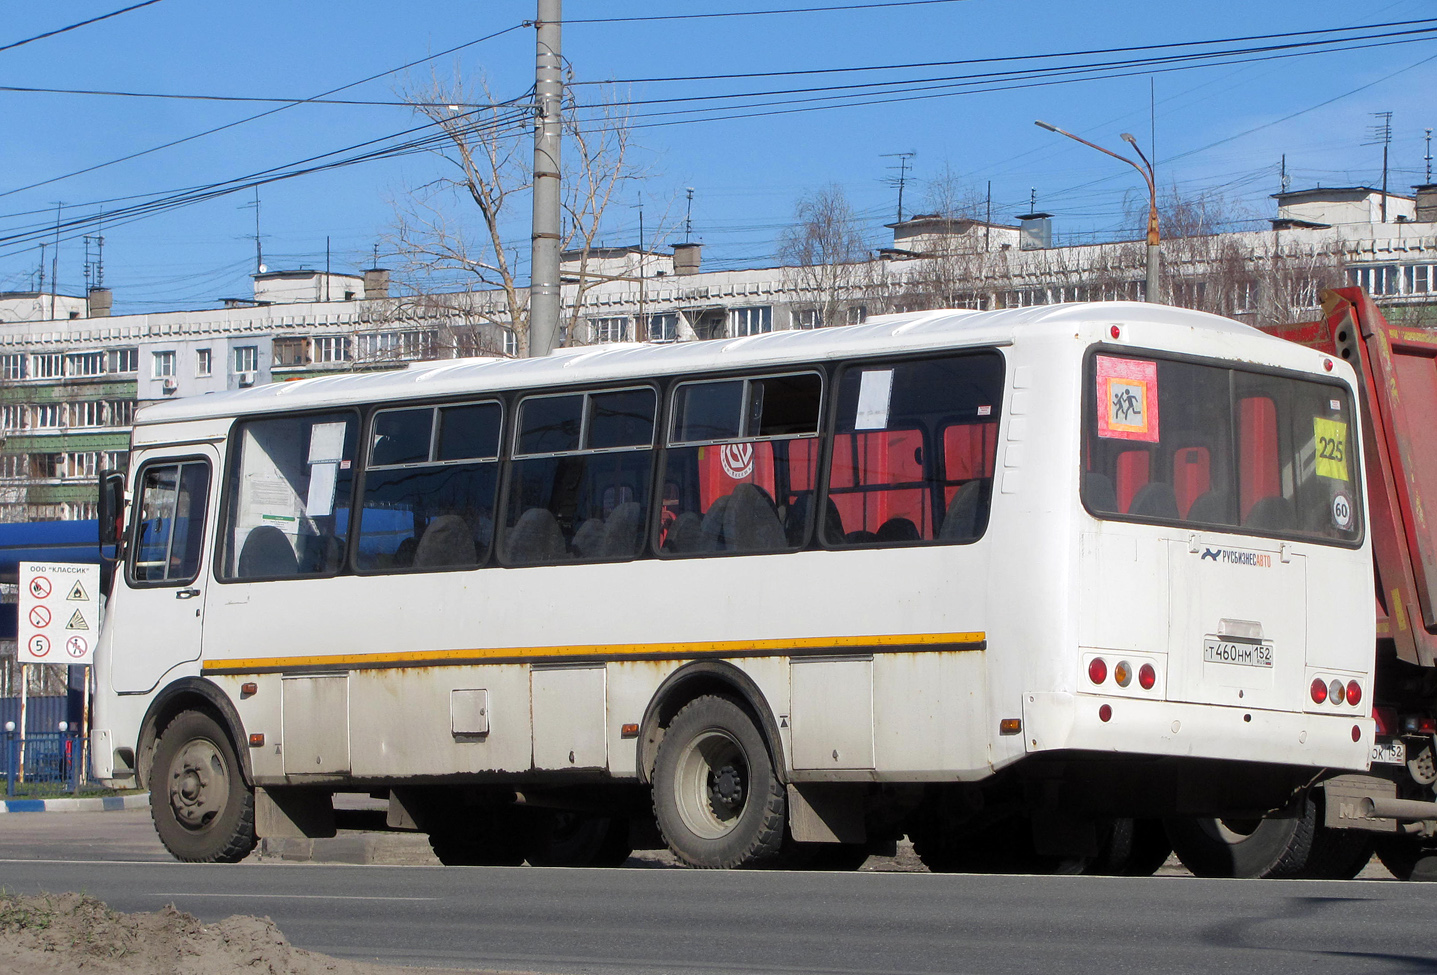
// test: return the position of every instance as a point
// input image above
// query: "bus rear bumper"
(1058, 722)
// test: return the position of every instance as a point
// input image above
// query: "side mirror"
(111, 507)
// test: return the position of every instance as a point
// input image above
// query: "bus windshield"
(1211, 446)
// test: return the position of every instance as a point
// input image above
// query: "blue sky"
(1219, 128)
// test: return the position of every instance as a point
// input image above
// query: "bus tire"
(201, 806)
(1132, 848)
(568, 839)
(717, 798)
(1246, 848)
(492, 837)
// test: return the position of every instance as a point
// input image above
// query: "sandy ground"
(71, 934)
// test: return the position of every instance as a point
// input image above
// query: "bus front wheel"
(717, 797)
(202, 808)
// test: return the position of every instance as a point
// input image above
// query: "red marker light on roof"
(1327, 364)
(1097, 670)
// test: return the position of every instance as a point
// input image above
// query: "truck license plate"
(1390, 752)
(1230, 652)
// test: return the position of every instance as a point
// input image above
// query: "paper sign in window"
(321, 490)
(1330, 438)
(1127, 399)
(326, 443)
(875, 389)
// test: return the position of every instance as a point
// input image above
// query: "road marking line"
(314, 897)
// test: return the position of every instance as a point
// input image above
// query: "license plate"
(1242, 654)
(1389, 753)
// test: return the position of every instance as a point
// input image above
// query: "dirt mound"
(72, 934)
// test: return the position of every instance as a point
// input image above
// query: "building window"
(204, 362)
(47, 416)
(608, 329)
(331, 348)
(164, 365)
(807, 318)
(87, 414)
(12, 366)
(664, 328)
(86, 464)
(12, 417)
(45, 465)
(122, 412)
(50, 365)
(291, 352)
(398, 345)
(511, 342)
(85, 364)
(247, 358)
(857, 314)
(14, 465)
(115, 460)
(750, 321)
(124, 360)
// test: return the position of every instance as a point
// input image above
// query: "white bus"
(1018, 584)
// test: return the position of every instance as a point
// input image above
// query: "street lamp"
(1150, 177)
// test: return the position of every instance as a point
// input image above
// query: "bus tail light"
(1354, 693)
(1147, 676)
(1105, 713)
(1417, 725)
(1319, 690)
(1123, 673)
(1097, 670)
(1335, 691)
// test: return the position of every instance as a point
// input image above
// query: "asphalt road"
(681, 921)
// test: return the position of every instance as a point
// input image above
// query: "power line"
(83, 23)
(759, 13)
(392, 103)
(282, 108)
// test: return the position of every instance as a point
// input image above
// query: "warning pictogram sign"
(51, 592)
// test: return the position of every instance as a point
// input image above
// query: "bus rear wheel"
(717, 797)
(485, 837)
(569, 839)
(202, 808)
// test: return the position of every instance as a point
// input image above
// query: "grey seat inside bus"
(795, 521)
(623, 531)
(1155, 499)
(968, 510)
(751, 522)
(267, 552)
(898, 530)
(1098, 492)
(447, 541)
(712, 526)
(588, 539)
(535, 537)
(1272, 513)
(1210, 507)
(404, 554)
(686, 535)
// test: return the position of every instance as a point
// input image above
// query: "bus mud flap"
(825, 812)
(287, 813)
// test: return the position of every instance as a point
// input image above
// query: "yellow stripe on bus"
(898, 642)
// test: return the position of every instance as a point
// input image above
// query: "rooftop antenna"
(689, 216)
(1033, 200)
(258, 250)
(95, 270)
(376, 257)
(1428, 157)
(902, 178)
(55, 262)
(1381, 134)
(1286, 179)
(40, 286)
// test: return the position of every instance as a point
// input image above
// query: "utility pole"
(689, 216)
(902, 178)
(55, 262)
(1381, 134)
(988, 221)
(258, 250)
(544, 289)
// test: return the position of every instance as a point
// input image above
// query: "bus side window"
(913, 451)
(742, 462)
(579, 481)
(171, 523)
(290, 487)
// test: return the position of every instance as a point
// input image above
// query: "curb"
(97, 804)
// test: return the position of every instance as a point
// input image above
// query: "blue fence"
(42, 714)
(49, 757)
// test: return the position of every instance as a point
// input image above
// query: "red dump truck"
(1393, 808)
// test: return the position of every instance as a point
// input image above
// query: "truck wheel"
(567, 839)
(1246, 848)
(1132, 848)
(1002, 846)
(201, 806)
(1408, 857)
(481, 838)
(717, 798)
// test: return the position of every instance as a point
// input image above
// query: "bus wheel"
(1246, 848)
(481, 838)
(1132, 848)
(717, 797)
(201, 806)
(1408, 857)
(568, 839)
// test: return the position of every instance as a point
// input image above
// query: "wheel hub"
(198, 786)
(726, 790)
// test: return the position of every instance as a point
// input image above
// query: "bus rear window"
(1209, 446)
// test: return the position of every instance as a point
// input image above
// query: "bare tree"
(468, 225)
(824, 251)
